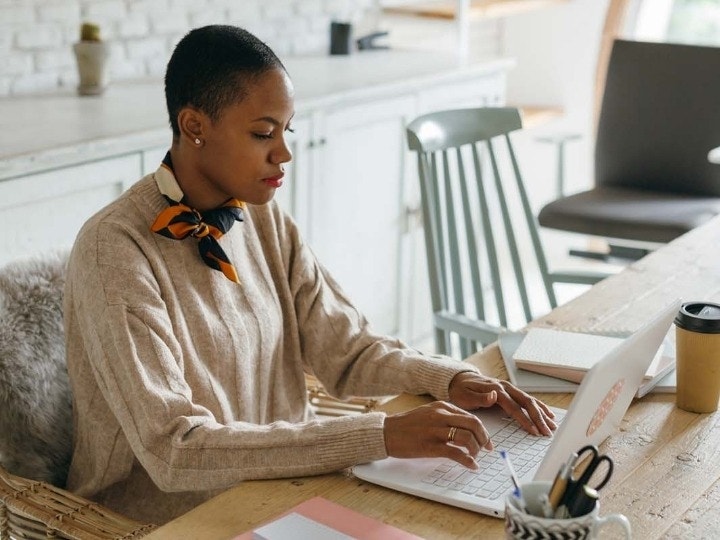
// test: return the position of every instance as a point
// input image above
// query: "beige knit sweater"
(186, 383)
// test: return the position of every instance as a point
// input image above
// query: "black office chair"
(660, 116)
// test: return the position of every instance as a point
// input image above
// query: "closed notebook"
(569, 355)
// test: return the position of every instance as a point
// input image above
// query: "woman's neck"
(194, 185)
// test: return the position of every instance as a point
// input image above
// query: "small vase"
(91, 59)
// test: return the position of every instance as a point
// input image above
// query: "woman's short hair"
(212, 67)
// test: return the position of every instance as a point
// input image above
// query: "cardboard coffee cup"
(697, 339)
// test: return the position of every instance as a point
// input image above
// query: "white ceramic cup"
(521, 524)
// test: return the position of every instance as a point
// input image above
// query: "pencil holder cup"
(529, 522)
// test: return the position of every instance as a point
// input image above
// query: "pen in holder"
(557, 490)
(517, 492)
(528, 520)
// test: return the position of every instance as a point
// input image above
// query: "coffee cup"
(525, 519)
(697, 351)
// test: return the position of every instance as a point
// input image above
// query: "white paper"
(297, 527)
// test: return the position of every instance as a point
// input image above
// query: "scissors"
(593, 476)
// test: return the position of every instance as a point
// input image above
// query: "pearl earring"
(197, 141)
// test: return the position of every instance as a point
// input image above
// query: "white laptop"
(594, 414)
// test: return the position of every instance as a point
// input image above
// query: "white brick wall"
(16, 14)
(35, 82)
(16, 63)
(104, 12)
(36, 36)
(133, 26)
(41, 36)
(59, 12)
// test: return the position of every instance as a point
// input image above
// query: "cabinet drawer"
(44, 211)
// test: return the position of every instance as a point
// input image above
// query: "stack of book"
(548, 360)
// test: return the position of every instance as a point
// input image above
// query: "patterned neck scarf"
(179, 221)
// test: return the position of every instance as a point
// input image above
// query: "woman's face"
(244, 150)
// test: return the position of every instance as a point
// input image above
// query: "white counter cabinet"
(356, 202)
(44, 211)
(352, 186)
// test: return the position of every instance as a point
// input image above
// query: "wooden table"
(667, 474)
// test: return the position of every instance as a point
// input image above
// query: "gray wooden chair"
(483, 246)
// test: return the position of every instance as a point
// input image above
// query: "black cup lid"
(701, 317)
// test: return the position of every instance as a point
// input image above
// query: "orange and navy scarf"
(179, 221)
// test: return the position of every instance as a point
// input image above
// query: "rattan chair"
(323, 404)
(31, 509)
(35, 414)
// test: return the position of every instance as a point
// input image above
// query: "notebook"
(570, 355)
(596, 411)
(663, 382)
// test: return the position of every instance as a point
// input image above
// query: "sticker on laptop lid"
(605, 407)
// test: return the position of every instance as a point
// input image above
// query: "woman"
(188, 368)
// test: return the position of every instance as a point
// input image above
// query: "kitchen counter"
(42, 132)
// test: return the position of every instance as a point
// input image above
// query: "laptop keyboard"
(492, 480)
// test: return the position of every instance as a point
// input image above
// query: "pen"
(545, 505)
(562, 512)
(559, 485)
(516, 483)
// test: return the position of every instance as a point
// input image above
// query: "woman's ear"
(192, 124)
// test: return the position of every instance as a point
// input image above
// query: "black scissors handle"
(597, 459)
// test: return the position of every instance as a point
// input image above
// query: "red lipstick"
(274, 181)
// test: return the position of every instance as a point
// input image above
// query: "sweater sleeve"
(343, 351)
(123, 328)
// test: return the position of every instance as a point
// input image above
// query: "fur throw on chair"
(35, 400)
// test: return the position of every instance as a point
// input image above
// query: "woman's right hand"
(427, 431)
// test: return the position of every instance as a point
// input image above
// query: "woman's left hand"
(472, 390)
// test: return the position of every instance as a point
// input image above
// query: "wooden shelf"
(445, 9)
